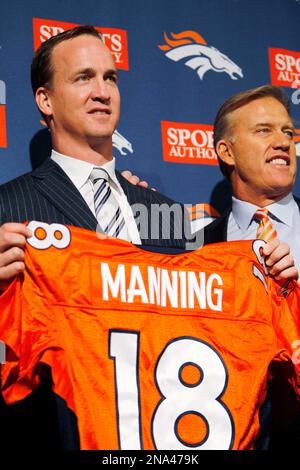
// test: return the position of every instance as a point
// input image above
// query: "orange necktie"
(265, 229)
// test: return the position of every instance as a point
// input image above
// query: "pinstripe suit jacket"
(48, 195)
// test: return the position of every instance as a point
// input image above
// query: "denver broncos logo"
(201, 214)
(200, 57)
(121, 143)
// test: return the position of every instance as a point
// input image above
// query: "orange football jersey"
(150, 351)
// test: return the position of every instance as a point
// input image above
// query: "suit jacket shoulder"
(47, 194)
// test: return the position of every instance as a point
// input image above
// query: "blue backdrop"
(184, 59)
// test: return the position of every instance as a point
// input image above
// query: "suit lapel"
(223, 228)
(53, 183)
(134, 194)
(297, 201)
(217, 231)
(50, 180)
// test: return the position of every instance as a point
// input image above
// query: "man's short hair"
(41, 66)
(222, 124)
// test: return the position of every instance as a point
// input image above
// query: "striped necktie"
(265, 229)
(107, 209)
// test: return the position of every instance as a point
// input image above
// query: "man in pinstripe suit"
(74, 80)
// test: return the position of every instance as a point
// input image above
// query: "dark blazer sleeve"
(48, 195)
(297, 201)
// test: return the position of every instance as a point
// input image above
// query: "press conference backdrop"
(178, 61)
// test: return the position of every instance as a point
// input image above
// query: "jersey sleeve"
(286, 323)
(27, 332)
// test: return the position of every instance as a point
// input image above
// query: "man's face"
(262, 151)
(84, 98)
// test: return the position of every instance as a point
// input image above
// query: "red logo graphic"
(188, 143)
(284, 67)
(3, 137)
(114, 39)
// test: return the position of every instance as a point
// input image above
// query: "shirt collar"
(283, 210)
(79, 171)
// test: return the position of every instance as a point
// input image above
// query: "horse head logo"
(121, 143)
(193, 49)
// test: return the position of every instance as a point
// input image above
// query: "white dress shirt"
(285, 217)
(79, 173)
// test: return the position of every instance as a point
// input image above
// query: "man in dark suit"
(75, 84)
(253, 138)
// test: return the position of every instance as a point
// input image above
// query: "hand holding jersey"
(13, 237)
(180, 388)
(279, 261)
(12, 243)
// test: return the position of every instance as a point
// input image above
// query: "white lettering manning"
(162, 287)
